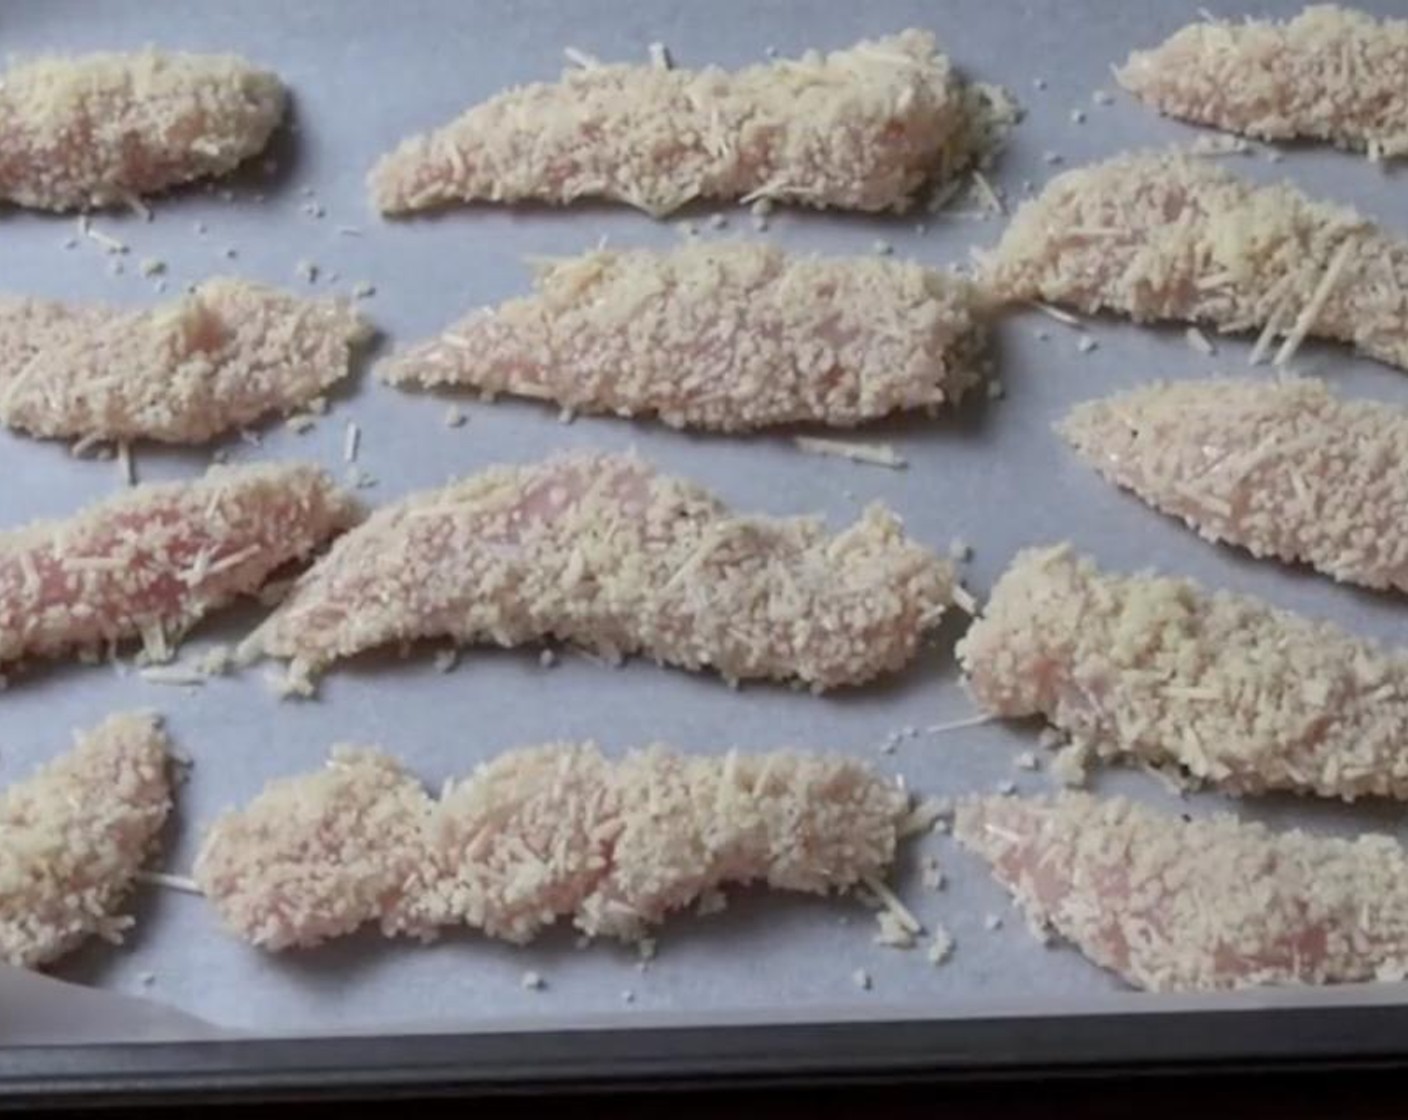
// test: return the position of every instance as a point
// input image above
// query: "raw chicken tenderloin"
(727, 337)
(104, 129)
(604, 552)
(153, 561)
(1331, 73)
(1171, 904)
(75, 835)
(1281, 468)
(858, 129)
(539, 834)
(1235, 692)
(1174, 237)
(184, 372)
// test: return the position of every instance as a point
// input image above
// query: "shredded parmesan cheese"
(873, 454)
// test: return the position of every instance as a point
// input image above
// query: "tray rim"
(482, 1063)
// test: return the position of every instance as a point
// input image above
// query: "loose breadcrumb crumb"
(1071, 766)
(941, 946)
(892, 932)
(1198, 341)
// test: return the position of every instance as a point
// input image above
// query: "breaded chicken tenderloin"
(1173, 237)
(74, 836)
(153, 561)
(857, 129)
(539, 834)
(104, 129)
(222, 357)
(605, 553)
(727, 337)
(1233, 691)
(1331, 73)
(1172, 904)
(1282, 468)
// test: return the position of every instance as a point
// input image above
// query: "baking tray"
(765, 989)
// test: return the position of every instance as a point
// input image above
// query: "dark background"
(1286, 1096)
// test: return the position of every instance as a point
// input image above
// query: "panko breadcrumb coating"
(1173, 237)
(153, 561)
(73, 837)
(184, 372)
(1172, 904)
(604, 552)
(1231, 690)
(859, 129)
(104, 129)
(1331, 73)
(726, 337)
(1281, 468)
(539, 834)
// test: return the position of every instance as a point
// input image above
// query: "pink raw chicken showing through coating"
(74, 836)
(720, 336)
(1229, 689)
(604, 552)
(858, 129)
(1282, 468)
(1211, 903)
(538, 834)
(184, 372)
(1331, 73)
(153, 561)
(104, 129)
(1173, 237)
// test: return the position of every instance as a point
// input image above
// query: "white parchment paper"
(363, 75)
